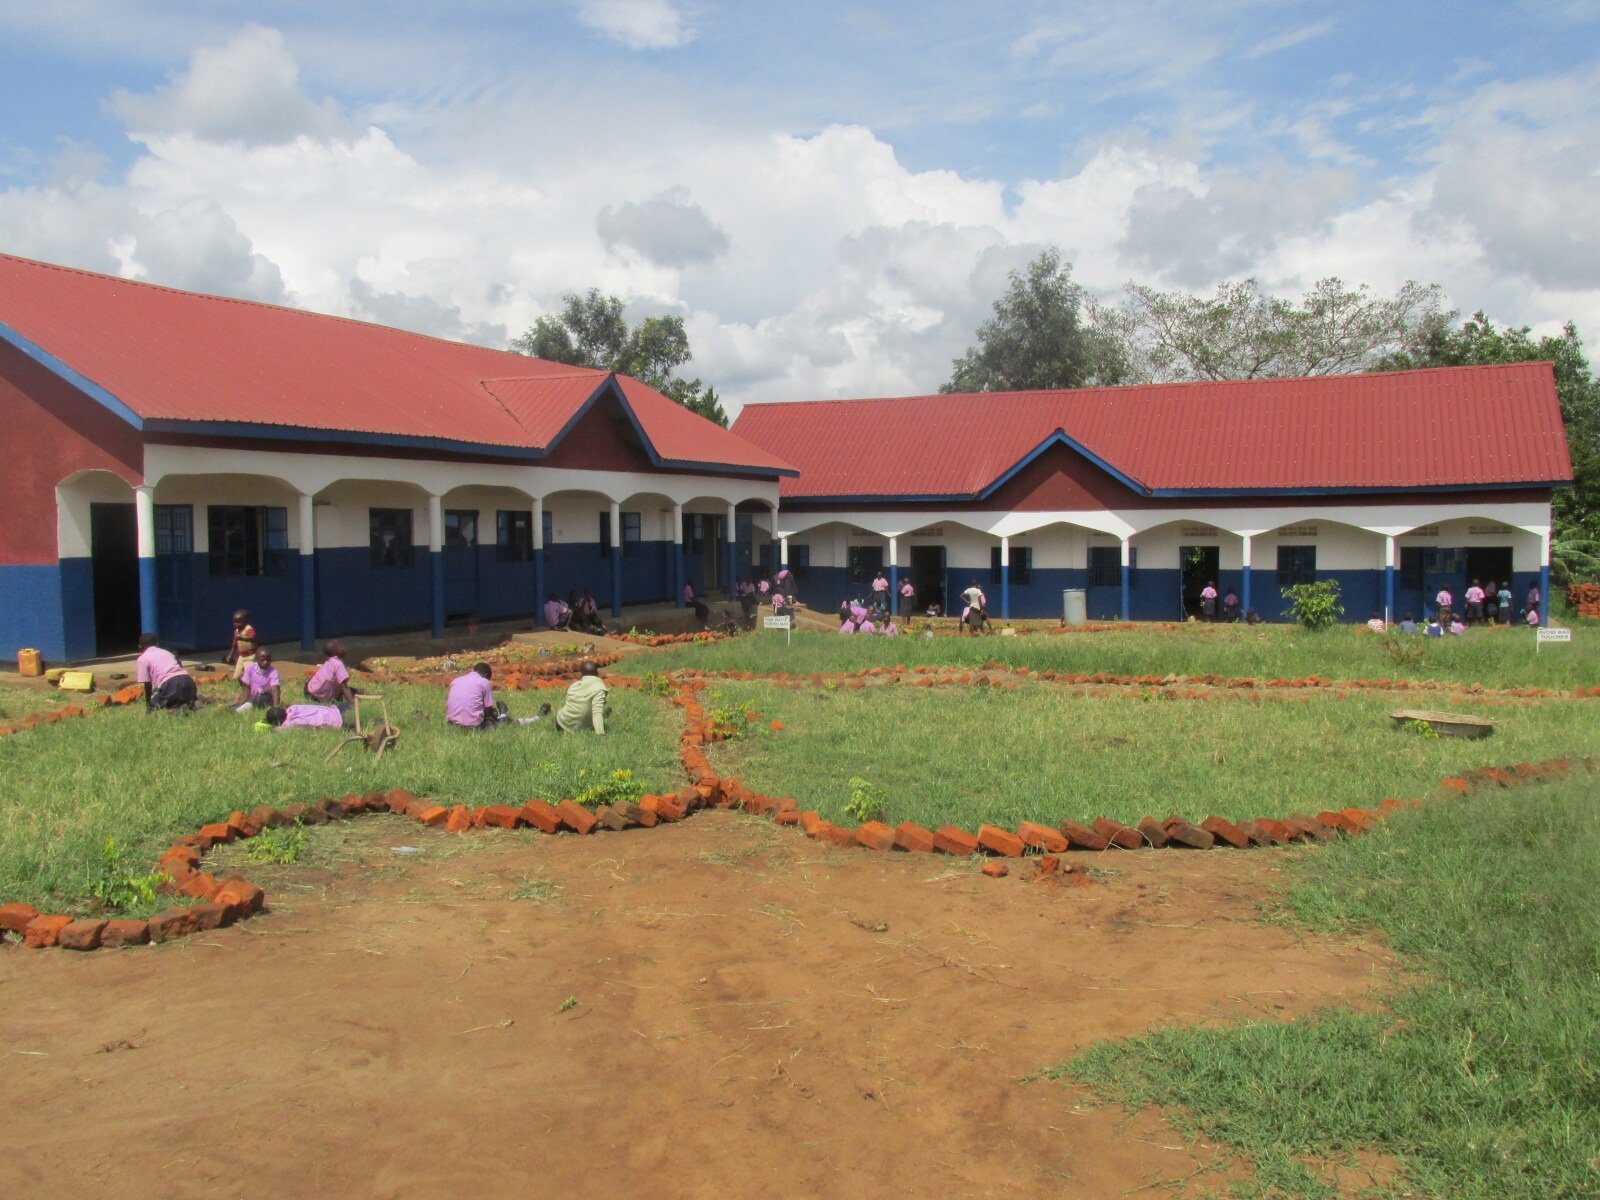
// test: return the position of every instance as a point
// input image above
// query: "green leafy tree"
(1315, 605)
(1040, 337)
(1244, 333)
(591, 331)
(1479, 342)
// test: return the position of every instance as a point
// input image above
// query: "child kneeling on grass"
(259, 684)
(166, 684)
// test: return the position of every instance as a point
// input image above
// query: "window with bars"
(1105, 566)
(174, 529)
(1021, 565)
(390, 536)
(1296, 565)
(247, 539)
(513, 536)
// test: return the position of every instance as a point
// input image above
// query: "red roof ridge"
(291, 309)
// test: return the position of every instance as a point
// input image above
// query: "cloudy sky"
(830, 194)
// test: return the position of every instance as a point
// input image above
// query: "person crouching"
(470, 703)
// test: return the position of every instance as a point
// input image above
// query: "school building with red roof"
(174, 457)
(1396, 485)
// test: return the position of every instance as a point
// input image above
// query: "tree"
(1478, 342)
(590, 331)
(1039, 338)
(1243, 333)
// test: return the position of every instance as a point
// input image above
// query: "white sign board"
(1547, 634)
(785, 623)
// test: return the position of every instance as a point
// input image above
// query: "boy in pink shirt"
(166, 684)
(330, 683)
(260, 684)
(470, 702)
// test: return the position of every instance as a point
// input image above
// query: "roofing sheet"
(170, 355)
(1442, 427)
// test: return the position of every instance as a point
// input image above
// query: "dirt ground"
(714, 1009)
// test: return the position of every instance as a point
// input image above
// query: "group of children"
(579, 614)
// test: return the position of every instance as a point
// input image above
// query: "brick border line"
(234, 899)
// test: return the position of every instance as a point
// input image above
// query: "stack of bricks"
(1584, 599)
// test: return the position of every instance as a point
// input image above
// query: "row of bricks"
(131, 694)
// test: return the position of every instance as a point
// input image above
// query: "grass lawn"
(1483, 1081)
(966, 755)
(145, 778)
(1492, 657)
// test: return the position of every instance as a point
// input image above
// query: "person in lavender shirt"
(305, 716)
(166, 684)
(330, 683)
(259, 682)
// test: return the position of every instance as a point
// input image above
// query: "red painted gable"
(52, 431)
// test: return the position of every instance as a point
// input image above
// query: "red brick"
(240, 896)
(689, 799)
(995, 869)
(81, 935)
(124, 933)
(875, 835)
(1181, 833)
(183, 854)
(501, 816)
(1256, 833)
(209, 915)
(835, 835)
(201, 887)
(612, 818)
(459, 820)
(788, 816)
(908, 835)
(997, 841)
(541, 815)
(220, 831)
(1311, 827)
(266, 817)
(576, 817)
(15, 917)
(1278, 831)
(434, 814)
(171, 923)
(1154, 836)
(1041, 837)
(1081, 837)
(951, 840)
(1116, 834)
(1337, 820)
(1047, 864)
(1226, 831)
(400, 800)
(44, 931)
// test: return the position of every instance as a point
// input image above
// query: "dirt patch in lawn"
(715, 1009)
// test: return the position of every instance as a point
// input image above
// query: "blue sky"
(830, 194)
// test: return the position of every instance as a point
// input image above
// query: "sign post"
(1547, 633)
(785, 623)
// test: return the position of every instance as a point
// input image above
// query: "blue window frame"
(513, 536)
(174, 529)
(247, 539)
(389, 532)
(1021, 565)
(1296, 565)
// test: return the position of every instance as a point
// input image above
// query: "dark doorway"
(114, 561)
(1200, 565)
(1486, 564)
(865, 563)
(460, 562)
(927, 576)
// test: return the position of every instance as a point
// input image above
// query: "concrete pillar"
(1544, 578)
(732, 542)
(1388, 579)
(144, 515)
(894, 575)
(677, 555)
(1244, 550)
(305, 511)
(1127, 558)
(1005, 579)
(539, 591)
(436, 560)
(616, 559)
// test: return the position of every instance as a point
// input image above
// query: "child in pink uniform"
(330, 683)
(470, 701)
(260, 684)
(305, 716)
(166, 684)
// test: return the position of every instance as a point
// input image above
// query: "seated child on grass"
(259, 684)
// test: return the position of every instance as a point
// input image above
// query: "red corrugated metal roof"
(1444, 427)
(177, 356)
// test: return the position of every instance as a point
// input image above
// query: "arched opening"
(486, 552)
(1449, 556)
(374, 566)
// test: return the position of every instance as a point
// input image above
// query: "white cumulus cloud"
(637, 24)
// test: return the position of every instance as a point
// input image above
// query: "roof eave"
(83, 383)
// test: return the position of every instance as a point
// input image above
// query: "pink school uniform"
(324, 682)
(156, 666)
(257, 681)
(311, 716)
(470, 696)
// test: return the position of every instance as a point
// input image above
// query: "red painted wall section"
(602, 440)
(51, 431)
(1062, 480)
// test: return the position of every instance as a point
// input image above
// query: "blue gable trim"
(83, 383)
(610, 386)
(1060, 438)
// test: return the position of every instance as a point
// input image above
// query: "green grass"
(965, 755)
(146, 778)
(1484, 1080)
(1492, 657)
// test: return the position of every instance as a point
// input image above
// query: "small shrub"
(729, 721)
(117, 887)
(1404, 649)
(1315, 605)
(866, 801)
(1421, 729)
(655, 684)
(282, 845)
(620, 787)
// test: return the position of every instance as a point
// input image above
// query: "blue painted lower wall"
(51, 607)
